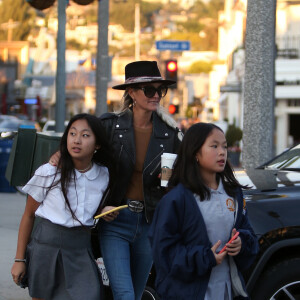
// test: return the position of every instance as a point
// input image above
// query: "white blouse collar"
(90, 174)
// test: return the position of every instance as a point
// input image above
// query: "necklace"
(86, 169)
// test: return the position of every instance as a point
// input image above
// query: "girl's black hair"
(186, 168)
(103, 156)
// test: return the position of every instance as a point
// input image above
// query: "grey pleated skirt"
(61, 265)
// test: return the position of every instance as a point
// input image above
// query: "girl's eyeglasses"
(150, 91)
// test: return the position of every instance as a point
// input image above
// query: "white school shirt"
(84, 197)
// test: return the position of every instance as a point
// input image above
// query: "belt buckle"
(136, 206)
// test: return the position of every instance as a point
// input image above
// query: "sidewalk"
(11, 209)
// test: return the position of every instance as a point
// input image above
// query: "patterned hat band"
(132, 80)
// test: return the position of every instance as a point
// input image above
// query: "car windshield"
(7, 118)
(50, 128)
(288, 160)
(50, 125)
(8, 124)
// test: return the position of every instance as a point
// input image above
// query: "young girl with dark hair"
(61, 263)
(195, 220)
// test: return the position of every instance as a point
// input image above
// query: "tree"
(123, 13)
(197, 43)
(190, 26)
(233, 135)
(200, 67)
(147, 11)
(209, 9)
(213, 7)
(207, 14)
(200, 9)
(18, 11)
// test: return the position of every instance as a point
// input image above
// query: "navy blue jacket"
(182, 250)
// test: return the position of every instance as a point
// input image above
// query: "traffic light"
(171, 72)
(173, 109)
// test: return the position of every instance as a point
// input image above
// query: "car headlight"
(7, 134)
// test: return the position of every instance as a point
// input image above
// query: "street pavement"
(11, 209)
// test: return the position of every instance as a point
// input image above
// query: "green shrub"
(233, 135)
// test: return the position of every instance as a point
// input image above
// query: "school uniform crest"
(244, 206)
(230, 204)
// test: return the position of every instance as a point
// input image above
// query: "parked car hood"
(264, 179)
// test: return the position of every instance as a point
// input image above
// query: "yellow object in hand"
(110, 211)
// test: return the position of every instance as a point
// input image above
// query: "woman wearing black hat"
(140, 133)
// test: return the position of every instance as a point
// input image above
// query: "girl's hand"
(111, 216)
(219, 257)
(18, 271)
(54, 159)
(235, 246)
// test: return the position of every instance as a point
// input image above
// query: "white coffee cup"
(167, 161)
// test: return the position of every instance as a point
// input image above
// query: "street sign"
(30, 101)
(173, 45)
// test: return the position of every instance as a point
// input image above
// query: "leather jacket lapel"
(160, 135)
(125, 133)
(157, 143)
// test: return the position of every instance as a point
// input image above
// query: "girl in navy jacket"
(195, 220)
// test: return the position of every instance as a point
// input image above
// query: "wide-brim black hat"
(142, 72)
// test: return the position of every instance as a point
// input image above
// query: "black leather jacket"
(120, 131)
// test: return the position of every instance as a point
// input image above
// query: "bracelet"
(20, 260)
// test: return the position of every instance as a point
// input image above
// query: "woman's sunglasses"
(150, 91)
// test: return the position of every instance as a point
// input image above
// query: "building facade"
(287, 70)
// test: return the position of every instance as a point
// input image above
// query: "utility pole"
(259, 83)
(60, 107)
(11, 25)
(102, 71)
(137, 31)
